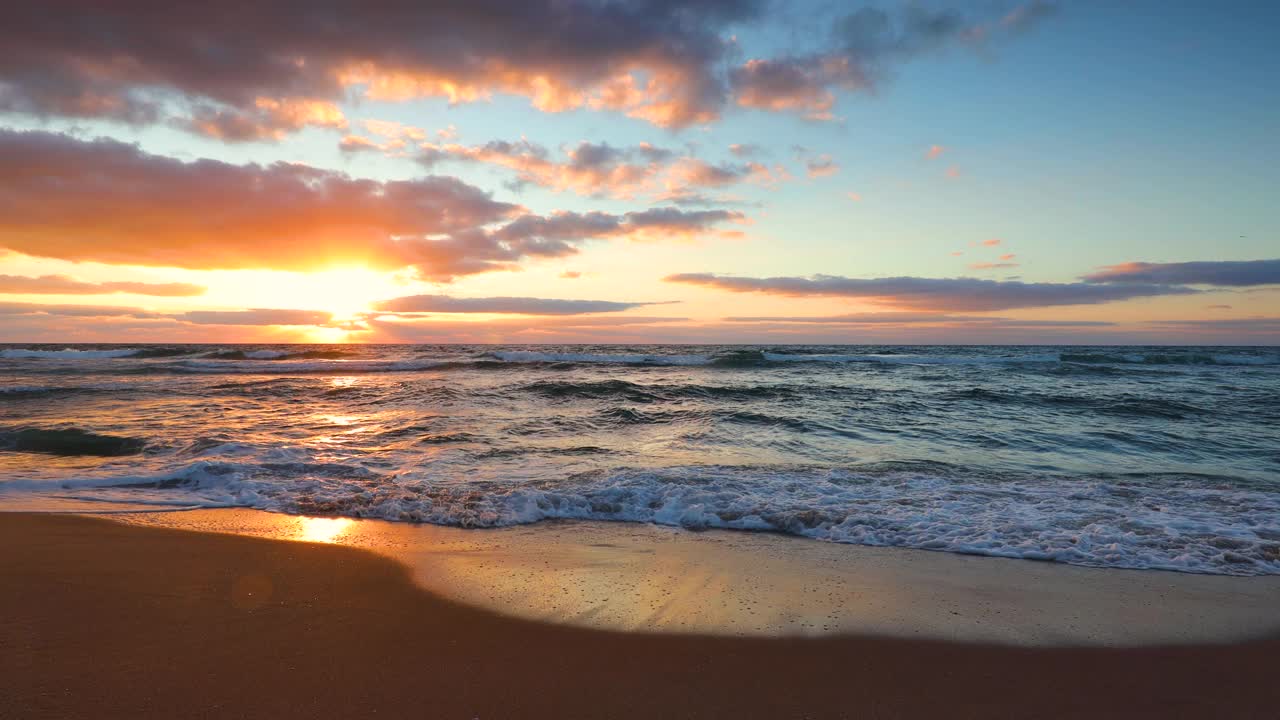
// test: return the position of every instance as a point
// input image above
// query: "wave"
(906, 359)
(1122, 404)
(1158, 522)
(280, 355)
(528, 356)
(276, 367)
(160, 352)
(638, 393)
(1166, 358)
(68, 441)
(66, 354)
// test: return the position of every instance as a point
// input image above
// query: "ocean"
(1121, 457)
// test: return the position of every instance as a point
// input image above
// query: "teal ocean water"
(1133, 457)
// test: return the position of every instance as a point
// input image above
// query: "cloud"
(601, 169)
(256, 316)
(1008, 256)
(1225, 273)
(570, 275)
(588, 169)
(394, 130)
(360, 143)
(951, 294)
(263, 317)
(271, 67)
(862, 48)
(992, 242)
(821, 166)
(1027, 16)
(266, 119)
(503, 305)
(110, 202)
(910, 318)
(652, 224)
(63, 285)
(934, 151)
(993, 265)
(745, 150)
(1267, 326)
(85, 311)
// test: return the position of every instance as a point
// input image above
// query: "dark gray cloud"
(655, 223)
(863, 47)
(63, 285)
(507, 305)
(910, 318)
(947, 294)
(1225, 273)
(594, 169)
(261, 68)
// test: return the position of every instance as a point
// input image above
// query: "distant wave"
(524, 356)
(303, 360)
(1190, 358)
(280, 355)
(66, 354)
(68, 441)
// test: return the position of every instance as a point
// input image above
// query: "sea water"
(1125, 457)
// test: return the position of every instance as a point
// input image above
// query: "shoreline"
(642, 577)
(102, 619)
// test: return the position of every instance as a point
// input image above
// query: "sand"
(101, 619)
(638, 577)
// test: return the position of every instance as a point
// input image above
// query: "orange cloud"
(934, 151)
(63, 285)
(109, 202)
(265, 119)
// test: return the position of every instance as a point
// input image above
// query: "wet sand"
(639, 577)
(101, 619)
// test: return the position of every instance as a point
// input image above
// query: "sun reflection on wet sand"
(322, 530)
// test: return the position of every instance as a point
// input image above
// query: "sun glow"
(345, 291)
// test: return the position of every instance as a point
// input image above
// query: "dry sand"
(102, 620)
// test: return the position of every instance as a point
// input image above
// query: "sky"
(691, 171)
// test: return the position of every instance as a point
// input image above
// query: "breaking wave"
(1167, 523)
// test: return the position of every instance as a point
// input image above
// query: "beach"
(103, 619)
